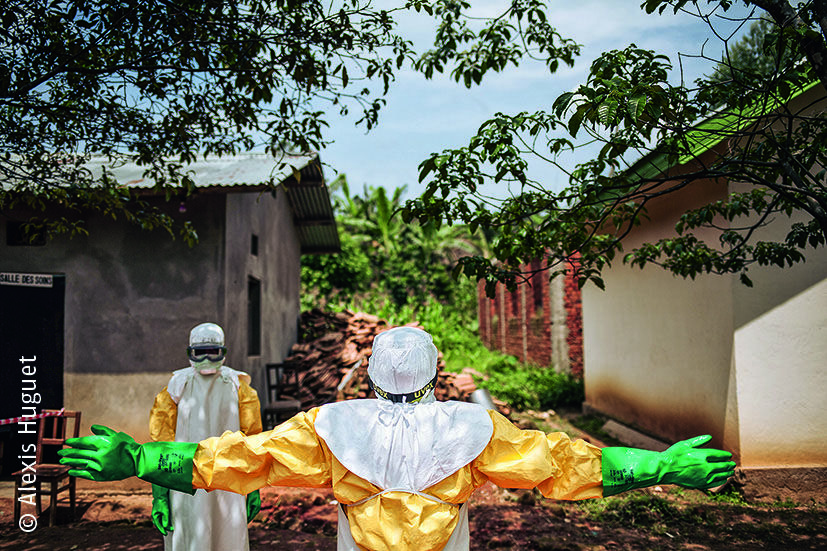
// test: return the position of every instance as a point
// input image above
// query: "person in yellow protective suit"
(203, 400)
(403, 466)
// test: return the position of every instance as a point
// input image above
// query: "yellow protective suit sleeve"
(289, 455)
(163, 418)
(559, 467)
(249, 410)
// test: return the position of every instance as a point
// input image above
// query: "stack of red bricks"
(330, 361)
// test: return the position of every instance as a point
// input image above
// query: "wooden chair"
(281, 378)
(51, 436)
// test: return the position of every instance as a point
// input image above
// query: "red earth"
(117, 518)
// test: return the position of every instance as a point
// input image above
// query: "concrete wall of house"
(657, 351)
(277, 267)
(777, 406)
(658, 348)
(677, 357)
(131, 298)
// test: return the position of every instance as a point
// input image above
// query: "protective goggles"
(409, 398)
(211, 353)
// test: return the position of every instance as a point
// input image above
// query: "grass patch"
(729, 495)
(785, 503)
(632, 510)
(531, 387)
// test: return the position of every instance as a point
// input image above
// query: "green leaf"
(561, 104)
(575, 122)
(607, 111)
(426, 167)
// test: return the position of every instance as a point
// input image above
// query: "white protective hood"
(409, 446)
(403, 360)
(404, 446)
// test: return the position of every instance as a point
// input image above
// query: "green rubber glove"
(161, 514)
(253, 505)
(110, 455)
(683, 464)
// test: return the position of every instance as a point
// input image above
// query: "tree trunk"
(820, 11)
(811, 43)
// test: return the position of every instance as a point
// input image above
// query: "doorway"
(31, 327)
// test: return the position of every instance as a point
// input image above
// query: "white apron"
(206, 521)
(428, 443)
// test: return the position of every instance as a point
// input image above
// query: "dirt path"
(115, 517)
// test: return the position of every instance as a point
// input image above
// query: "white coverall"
(191, 408)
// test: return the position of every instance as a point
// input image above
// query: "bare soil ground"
(115, 517)
(305, 520)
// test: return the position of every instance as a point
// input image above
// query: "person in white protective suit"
(402, 467)
(203, 400)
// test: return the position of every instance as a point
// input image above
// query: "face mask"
(206, 367)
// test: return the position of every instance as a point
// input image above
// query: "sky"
(424, 116)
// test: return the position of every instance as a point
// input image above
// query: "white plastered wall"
(658, 347)
(671, 356)
(781, 368)
(777, 414)
(657, 351)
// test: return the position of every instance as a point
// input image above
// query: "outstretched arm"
(562, 468)
(292, 454)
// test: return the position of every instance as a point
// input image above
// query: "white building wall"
(748, 365)
(658, 351)
(781, 368)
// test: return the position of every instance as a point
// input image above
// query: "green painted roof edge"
(709, 133)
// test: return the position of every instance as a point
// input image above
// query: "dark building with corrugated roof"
(108, 315)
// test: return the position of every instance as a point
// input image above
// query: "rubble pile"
(330, 361)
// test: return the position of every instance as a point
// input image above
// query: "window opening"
(253, 317)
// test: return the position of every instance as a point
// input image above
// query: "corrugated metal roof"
(252, 170)
(313, 214)
(307, 195)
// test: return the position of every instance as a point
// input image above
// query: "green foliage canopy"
(384, 258)
(162, 83)
(649, 135)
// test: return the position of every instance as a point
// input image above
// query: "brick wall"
(520, 322)
(574, 322)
